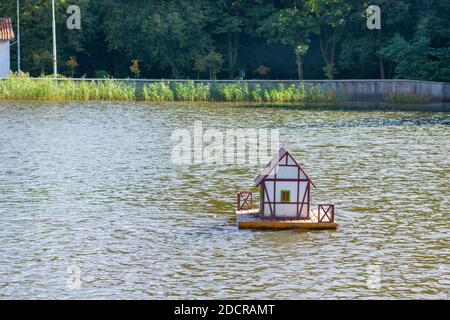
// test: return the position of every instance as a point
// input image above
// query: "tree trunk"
(236, 41)
(111, 70)
(230, 56)
(327, 53)
(380, 59)
(333, 50)
(323, 46)
(391, 68)
(299, 66)
(381, 63)
(175, 73)
(233, 43)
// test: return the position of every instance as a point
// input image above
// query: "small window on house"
(285, 196)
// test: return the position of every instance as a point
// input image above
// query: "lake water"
(92, 207)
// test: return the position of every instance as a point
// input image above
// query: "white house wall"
(285, 185)
(285, 209)
(4, 58)
(291, 161)
(287, 173)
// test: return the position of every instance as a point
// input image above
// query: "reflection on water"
(90, 188)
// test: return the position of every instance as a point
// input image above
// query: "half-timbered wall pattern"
(286, 176)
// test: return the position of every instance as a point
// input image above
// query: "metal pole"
(18, 36)
(55, 66)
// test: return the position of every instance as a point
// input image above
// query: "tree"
(417, 59)
(233, 18)
(200, 65)
(72, 64)
(213, 61)
(230, 21)
(42, 60)
(292, 27)
(169, 34)
(36, 32)
(172, 36)
(331, 17)
(360, 46)
(300, 50)
(134, 68)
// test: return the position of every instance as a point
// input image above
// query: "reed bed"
(236, 92)
(406, 98)
(24, 88)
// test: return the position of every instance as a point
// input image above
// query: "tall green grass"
(406, 98)
(236, 92)
(20, 87)
(158, 91)
(24, 88)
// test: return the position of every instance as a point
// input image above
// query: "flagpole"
(55, 66)
(18, 36)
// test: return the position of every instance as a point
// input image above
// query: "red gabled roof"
(273, 164)
(6, 30)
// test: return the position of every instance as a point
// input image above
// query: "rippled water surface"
(90, 187)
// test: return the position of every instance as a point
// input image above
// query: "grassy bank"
(24, 88)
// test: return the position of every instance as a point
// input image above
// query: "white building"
(284, 188)
(6, 35)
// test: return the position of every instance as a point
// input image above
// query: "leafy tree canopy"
(218, 38)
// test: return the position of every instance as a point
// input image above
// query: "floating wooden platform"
(248, 219)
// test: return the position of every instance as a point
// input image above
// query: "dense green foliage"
(235, 38)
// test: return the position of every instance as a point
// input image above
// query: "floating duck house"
(284, 199)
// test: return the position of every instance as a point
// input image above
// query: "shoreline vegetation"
(402, 98)
(22, 87)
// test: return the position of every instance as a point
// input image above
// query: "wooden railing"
(244, 201)
(325, 213)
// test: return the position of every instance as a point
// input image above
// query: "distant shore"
(269, 91)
